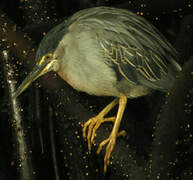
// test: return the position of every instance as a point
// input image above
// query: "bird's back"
(136, 50)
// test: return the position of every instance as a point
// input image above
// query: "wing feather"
(135, 47)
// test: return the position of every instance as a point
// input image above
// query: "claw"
(90, 129)
(85, 127)
(111, 143)
(94, 123)
(97, 125)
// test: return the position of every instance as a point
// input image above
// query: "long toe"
(92, 125)
(109, 149)
(85, 128)
(97, 125)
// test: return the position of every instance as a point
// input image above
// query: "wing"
(132, 61)
(131, 43)
(142, 58)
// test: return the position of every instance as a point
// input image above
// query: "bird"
(107, 51)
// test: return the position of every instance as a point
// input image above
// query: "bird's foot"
(111, 143)
(92, 125)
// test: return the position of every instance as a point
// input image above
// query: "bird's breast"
(84, 65)
(92, 80)
(72, 81)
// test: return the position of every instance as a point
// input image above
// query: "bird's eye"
(47, 56)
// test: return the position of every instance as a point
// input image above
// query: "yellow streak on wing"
(116, 54)
(156, 77)
(130, 54)
(129, 62)
(104, 48)
(114, 51)
(143, 73)
(112, 47)
(161, 62)
(159, 59)
(159, 66)
(122, 73)
(114, 60)
(137, 52)
(121, 54)
(107, 53)
(148, 75)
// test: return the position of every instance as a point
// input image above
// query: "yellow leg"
(94, 123)
(114, 133)
(121, 133)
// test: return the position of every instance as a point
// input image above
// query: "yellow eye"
(44, 58)
(47, 56)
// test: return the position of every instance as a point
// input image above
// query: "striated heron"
(107, 51)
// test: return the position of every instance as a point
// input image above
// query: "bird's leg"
(94, 123)
(114, 133)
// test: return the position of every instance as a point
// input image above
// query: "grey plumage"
(134, 48)
(107, 51)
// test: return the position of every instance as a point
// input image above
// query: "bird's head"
(46, 64)
(48, 57)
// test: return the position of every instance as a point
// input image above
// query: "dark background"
(41, 133)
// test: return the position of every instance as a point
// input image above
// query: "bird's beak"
(42, 67)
